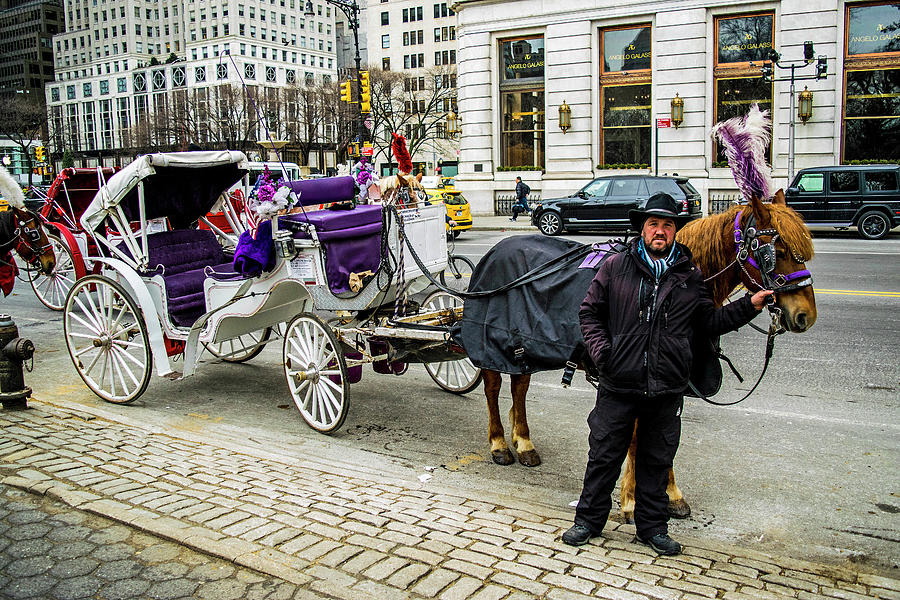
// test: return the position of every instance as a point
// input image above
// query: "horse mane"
(711, 241)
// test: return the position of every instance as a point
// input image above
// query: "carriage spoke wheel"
(316, 372)
(241, 348)
(52, 289)
(455, 376)
(107, 339)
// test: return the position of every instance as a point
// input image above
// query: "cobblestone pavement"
(339, 534)
(50, 550)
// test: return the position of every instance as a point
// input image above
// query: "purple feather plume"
(745, 140)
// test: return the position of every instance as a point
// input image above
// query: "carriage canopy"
(181, 186)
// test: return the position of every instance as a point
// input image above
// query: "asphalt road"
(807, 466)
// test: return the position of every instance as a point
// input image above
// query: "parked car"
(863, 196)
(604, 203)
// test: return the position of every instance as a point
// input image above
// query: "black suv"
(863, 196)
(604, 203)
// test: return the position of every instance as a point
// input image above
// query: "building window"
(872, 83)
(290, 76)
(249, 71)
(86, 89)
(625, 113)
(54, 94)
(386, 41)
(139, 82)
(70, 92)
(178, 77)
(740, 40)
(199, 74)
(270, 74)
(159, 80)
(222, 71)
(386, 64)
(522, 102)
(385, 18)
(104, 87)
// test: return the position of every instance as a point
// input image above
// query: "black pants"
(612, 423)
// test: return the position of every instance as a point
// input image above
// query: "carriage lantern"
(452, 124)
(677, 110)
(565, 117)
(804, 105)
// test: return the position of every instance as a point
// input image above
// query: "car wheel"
(873, 225)
(550, 223)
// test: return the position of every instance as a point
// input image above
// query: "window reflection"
(746, 38)
(626, 49)
(874, 29)
(523, 59)
(523, 129)
(872, 113)
(734, 97)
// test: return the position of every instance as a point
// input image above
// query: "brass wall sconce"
(453, 124)
(804, 105)
(677, 110)
(565, 117)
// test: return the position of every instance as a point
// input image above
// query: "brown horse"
(712, 241)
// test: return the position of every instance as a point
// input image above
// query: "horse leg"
(678, 506)
(521, 437)
(626, 492)
(500, 453)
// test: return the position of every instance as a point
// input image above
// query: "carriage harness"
(25, 236)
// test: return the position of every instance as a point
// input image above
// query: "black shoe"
(577, 535)
(511, 219)
(662, 544)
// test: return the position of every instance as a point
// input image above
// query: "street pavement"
(316, 528)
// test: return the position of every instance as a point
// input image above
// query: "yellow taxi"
(442, 190)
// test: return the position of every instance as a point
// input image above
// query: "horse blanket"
(533, 326)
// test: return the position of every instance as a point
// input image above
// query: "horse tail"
(11, 190)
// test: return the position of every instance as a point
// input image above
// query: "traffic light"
(822, 68)
(346, 92)
(39, 153)
(365, 97)
(767, 72)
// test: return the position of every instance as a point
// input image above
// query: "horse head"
(773, 245)
(32, 244)
(401, 190)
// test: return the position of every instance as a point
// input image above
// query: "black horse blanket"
(534, 326)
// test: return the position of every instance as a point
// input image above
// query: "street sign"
(663, 122)
(369, 122)
(367, 151)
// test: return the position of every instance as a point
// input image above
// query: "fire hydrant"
(15, 351)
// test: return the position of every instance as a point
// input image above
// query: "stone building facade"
(618, 66)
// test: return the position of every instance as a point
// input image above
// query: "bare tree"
(21, 120)
(414, 106)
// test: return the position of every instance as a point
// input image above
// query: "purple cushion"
(184, 292)
(326, 189)
(331, 220)
(184, 250)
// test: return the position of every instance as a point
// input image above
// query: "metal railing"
(503, 202)
(719, 203)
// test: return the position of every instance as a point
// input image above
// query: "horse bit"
(762, 257)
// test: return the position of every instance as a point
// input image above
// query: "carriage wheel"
(316, 372)
(107, 339)
(455, 376)
(458, 273)
(52, 289)
(241, 348)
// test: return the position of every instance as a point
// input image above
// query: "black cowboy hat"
(659, 205)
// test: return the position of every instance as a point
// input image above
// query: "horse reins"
(761, 256)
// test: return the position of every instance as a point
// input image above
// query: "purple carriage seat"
(324, 190)
(184, 255)
(351, 241)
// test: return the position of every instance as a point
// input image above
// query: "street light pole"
(351, 10)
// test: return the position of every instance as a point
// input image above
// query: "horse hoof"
(530, 458)
(679, 509)
(503, 457)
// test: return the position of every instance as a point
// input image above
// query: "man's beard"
(658, 254)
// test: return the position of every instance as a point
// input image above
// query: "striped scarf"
(658, 266)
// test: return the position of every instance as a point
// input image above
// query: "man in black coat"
(638, 318)
(521, 203)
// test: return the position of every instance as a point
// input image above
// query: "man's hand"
(759, 298)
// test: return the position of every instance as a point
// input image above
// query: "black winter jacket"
(638, 332)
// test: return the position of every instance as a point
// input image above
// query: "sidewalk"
(341, 534)
(501, 223)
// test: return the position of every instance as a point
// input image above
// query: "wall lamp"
(804, 105)
(677, 110)
(565, 117)
(452, 124)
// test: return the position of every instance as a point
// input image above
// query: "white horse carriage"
(328, 283)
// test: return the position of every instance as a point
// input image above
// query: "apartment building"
(26, 31)
(166, 73)
(645, 83)
(417, 38)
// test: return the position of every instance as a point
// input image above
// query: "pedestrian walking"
(521, 203)
(638, 318)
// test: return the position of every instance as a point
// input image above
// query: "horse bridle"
(761, 256)
(29, 237)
